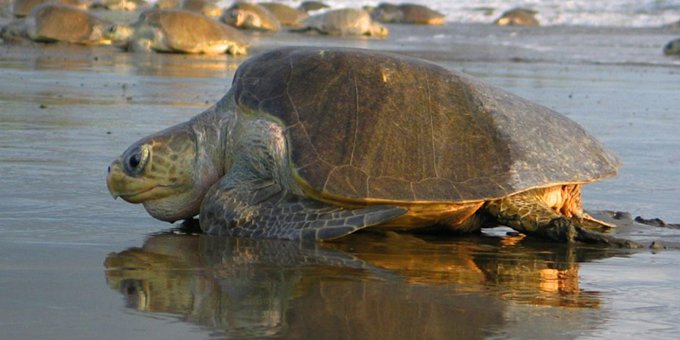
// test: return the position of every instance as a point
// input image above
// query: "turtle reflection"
(366, 285)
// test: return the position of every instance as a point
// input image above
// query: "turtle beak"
(109, 179)
(113, 178)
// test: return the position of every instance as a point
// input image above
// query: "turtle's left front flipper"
(261, 208)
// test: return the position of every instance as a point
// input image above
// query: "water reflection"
(368, 285)
(63, 57)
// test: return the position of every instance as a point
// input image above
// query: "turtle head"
(165, 172)
(378, 30)
(239, 17)
(119, 34)
(672, 47)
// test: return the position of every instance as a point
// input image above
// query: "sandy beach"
(76, 264)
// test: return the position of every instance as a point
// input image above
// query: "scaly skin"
(529, 213)
(182, 163)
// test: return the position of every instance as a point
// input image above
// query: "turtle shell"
(343, 21)
(175, 23)
(365, 125)
(23, 8)
(418, 14)
(287, 16)
(57, 22)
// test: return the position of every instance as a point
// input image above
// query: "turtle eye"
(137, 159)
(134, 161)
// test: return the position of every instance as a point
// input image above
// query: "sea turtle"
(23, 8)
(205, 7)
(287, 16)
(316, 143)
(518, 17)
(250, 16)
(119, 5)
(55, 22)
(672, 48)
(345, 21)
(311, 6)
(407, 14)
(167, 4)
(178, 30)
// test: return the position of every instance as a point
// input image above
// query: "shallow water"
(74, 263)
(622, 13)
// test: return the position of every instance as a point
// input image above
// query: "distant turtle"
(119, 5)
(518, 17)
(287, 16)
(180, 31)
(205, 7)
(344, 22)
(167, 4)
(316, 143)
(672, 48)
(53, 22)
(407, 14)
(23, 8)
(311, 6)
(250, 16)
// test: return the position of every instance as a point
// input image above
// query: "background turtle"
(314, 143)
(177, 30)
(54, 22)
(167, 4)
(250, 16)
(311, 6)
(407, 14)
(672, 48)
(23, 8)
(286, 15)
(205, 7)
(346, 21)
(119, 5)
(518, 17)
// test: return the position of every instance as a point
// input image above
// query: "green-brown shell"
(56, 22)
(174, 23)
(345, 21)
(418, 14)
(406, 14)
(206, 7)
(309, 6)
(368, 125)
(23, 8)
(288, 16)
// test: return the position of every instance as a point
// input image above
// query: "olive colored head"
(672, 48)
(164, 172)
(241, 18)
(119, 34)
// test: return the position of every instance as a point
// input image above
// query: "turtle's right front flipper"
(261, 208)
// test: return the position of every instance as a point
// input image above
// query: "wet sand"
(76, 264)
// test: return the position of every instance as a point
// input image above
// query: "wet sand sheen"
(60, 224)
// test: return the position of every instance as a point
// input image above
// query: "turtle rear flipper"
(526, 214)
(261, 208)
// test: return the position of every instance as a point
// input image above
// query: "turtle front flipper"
(261, 208)
(526, 213)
